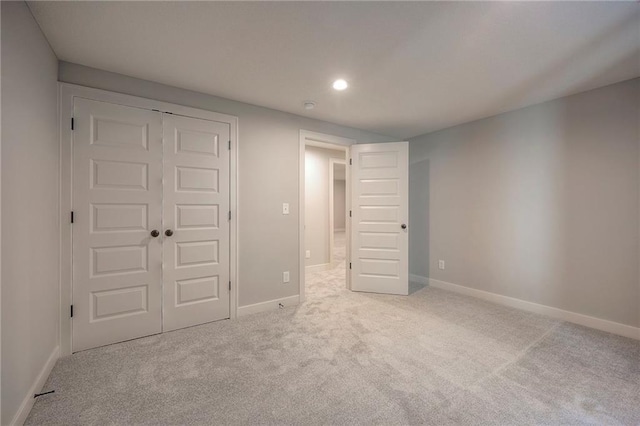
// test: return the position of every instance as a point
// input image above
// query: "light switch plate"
(285, 277)
(307, 254)
(285, 208)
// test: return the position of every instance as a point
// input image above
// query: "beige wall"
(316, 208)
(339, 203)
(268, 176)
(539, 204)
(30, 234)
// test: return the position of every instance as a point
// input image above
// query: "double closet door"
(150, 227)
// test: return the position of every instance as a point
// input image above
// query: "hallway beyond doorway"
(328, 282)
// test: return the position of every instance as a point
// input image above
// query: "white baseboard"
(560, 314)
(318, 268)
(27, 402)
(270, 305)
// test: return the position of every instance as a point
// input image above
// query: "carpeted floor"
(433, 357)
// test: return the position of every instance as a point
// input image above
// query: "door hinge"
(350, 213)
(71, 311)
(229, 145)
(229, 214)
(350, 161)
(72, 124)
(72, 216)
(229, 285)
(349, 265)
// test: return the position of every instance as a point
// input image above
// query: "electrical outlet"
(307, 254)
(285, 208)
(440, 264)
(285, 277)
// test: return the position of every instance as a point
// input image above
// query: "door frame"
(332, 163)
(67, 93)
(321, 140)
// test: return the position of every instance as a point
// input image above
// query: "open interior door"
(379, 218)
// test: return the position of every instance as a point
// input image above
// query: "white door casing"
(380, 216)
(117, 201)
(196, 208)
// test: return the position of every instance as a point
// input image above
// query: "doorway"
(376, 228)
(324, 207)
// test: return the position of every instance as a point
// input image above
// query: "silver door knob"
(403, 226)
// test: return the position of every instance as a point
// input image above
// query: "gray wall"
(268, 176)
(540, 204)
(316, 208)
(30, 234)
(339, 204)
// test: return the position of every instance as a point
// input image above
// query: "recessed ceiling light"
(309, 105)
(340, 84)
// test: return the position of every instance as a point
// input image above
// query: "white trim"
(332, 163)
(0, 248)
(234, 223)
(323, 141)
(270, 305)
(318, 268)
(66, 95)
(65, 112)
(560, 314)
(29, 400)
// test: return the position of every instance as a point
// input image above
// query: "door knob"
(168, 232)
(403, 226)
(155, 233)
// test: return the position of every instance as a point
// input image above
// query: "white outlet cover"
(307, 254)
(440, 264)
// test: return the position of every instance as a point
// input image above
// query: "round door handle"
(155, 233)
(403, 226)
(168, 232)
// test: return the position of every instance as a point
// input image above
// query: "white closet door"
(196, 207)
(380, 213)
(117, 202)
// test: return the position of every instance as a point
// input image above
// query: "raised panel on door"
(379, 243)
(196, 204)
(117, 201)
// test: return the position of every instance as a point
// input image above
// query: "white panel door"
(380, 213)
(117, 202)
(196, 224)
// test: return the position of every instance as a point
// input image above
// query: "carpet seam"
(520, 355)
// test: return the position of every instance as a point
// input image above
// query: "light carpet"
(433, 357)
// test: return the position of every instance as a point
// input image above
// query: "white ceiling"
(412, 67)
